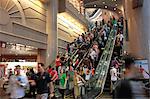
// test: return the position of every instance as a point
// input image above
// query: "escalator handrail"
(107, 65)
(95, 78)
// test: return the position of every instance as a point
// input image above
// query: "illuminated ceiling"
(112, 5)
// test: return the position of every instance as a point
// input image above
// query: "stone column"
(51, 29)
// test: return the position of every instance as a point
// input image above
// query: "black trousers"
(62, 92)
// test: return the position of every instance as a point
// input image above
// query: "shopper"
(113, 73)
(54, 75)
(80, 83)
(57, 62)
(63, 82)
(17, 84)
(43, 83)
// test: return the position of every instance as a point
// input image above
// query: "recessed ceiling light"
(114, 8)
(103, 2)
(94, 5)
(105, 6)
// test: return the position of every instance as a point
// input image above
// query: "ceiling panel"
(105, 4)
(110, 3)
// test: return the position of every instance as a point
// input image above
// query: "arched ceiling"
(112, 5)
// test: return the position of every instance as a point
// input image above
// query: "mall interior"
(85, 40)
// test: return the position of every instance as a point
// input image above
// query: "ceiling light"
(94, 5)
(116, 4)
(103, 2)
(105, 7)
(114, 8)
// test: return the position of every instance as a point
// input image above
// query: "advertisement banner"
(143, 67)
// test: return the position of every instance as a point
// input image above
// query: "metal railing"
(96, 84)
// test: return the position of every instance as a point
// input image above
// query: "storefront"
(17, 54)
(5, 67)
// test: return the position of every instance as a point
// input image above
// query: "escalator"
(107, 86)
(86, 54)
(97, 83)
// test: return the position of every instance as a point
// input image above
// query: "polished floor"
(5, 96)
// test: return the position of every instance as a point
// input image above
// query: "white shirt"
(15, 90)
(93, 54)
(120, 36)
(113, 73)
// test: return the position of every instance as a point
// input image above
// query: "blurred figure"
(17, 84)
(93, 71)
(10, 73)
(32, 87)
(131, 87)
(28, 74)
(141, 69)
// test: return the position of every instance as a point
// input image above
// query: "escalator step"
(106, 89)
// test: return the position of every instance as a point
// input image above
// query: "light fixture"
(116, 4)
(94, 5)
(103, 2)
(114, 8)
(106, 7)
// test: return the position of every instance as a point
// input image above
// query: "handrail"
(106, 64)
(99, 78)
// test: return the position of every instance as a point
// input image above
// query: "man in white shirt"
(17, 84)
(113, 73)
(93, 54)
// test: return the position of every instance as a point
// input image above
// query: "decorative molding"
(29, 17)
(21, 10)
(34, 10)
(38, 5)
(22, 37)
(30, 28)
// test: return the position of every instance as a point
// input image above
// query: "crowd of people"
(71, 71)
